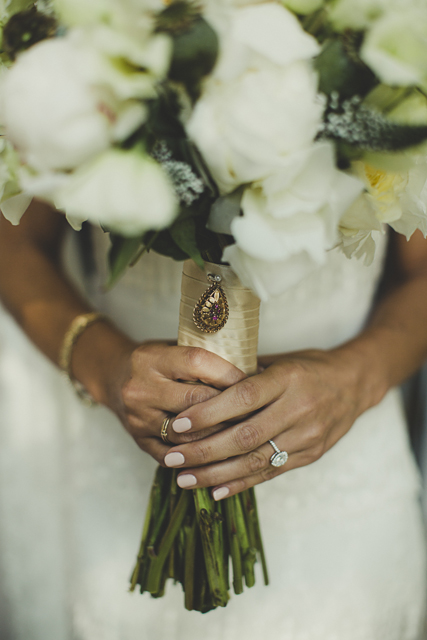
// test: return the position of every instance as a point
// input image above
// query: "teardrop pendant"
(211, 312)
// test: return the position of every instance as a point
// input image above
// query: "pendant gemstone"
(211, 312)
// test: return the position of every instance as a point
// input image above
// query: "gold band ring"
(164, 430)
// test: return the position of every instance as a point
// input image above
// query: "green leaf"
(122, 253)
(165, 246)
(183, 232)
(341, 72)
(195, 52)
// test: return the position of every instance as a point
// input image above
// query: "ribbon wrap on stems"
(187, 536)
(237, 342)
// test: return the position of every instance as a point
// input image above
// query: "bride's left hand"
(304, 401)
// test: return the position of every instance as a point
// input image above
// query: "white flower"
(119, 13)
(303, 7)
(361, 14)
(357, 228)
(396, 48)
(253, 35)
(64, 101)
(13, 203)
(125, 191)
(290, 220)
(398, 199)
(245, 128)
(413, 200)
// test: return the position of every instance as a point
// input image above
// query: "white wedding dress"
(344, 536)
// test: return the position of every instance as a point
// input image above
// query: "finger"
(255, 462)
(235, 440)
(175, 397)
(220, 492)
(245, 397)
(194, 364)
(154, 447)
(176, 439)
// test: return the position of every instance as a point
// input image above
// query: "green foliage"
(341, 70)
(26, 28)
(195, 52)
(183, 233)
(123, 252)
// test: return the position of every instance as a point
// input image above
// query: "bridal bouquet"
(261, 134)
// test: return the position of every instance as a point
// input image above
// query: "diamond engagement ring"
(164, 430)
(279, 458)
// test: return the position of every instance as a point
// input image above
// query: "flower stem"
(236, 558)
(155, 575)
(210, 524)
(253, 514)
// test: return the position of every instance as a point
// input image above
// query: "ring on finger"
(279, 458)
(164, 430)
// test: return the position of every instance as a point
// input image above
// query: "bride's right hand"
(145, 384)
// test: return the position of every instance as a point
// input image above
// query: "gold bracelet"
(75, 330)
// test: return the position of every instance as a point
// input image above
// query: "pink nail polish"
(186, 481)
(181, 425)
(174, 459)
(221, 493)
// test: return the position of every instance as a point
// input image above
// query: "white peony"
(290, 219)
(245, 128)
(396, 48)
(64, 101)
(125, 191)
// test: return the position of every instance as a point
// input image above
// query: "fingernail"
(186, 481)
(174, 459)
(221, 493)
(181, 425)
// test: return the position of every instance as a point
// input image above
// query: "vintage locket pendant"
(211, 312)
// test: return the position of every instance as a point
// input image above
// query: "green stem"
(190, 557)
(248, 552)
(152, 516)
(236, 558)
(210, 523)
(155, 575)
(257, 528)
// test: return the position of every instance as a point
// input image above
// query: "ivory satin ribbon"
(237, 342)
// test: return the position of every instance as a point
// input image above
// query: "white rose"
(245, 128)
(253, 35)
(269, 279)
(126, 191)
(396, 48)
(291, 220)
(63, 102)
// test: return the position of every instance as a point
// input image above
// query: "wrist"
(100, 362)
(366, 371)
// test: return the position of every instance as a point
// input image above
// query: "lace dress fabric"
(344, 536)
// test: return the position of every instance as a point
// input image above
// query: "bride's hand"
(146, 385)
(305, 402)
